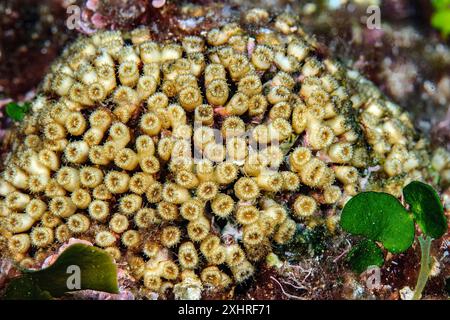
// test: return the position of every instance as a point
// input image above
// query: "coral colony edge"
(188, 160)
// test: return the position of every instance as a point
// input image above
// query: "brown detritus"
(265, 287)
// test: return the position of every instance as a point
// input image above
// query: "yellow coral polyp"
(187, 256)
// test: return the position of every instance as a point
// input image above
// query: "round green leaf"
(379, 217)
(427, 208)
(364, 255)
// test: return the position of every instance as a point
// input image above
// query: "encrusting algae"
(148, 149)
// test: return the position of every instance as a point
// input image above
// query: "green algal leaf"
(364, 255)
(427, 208)
(441, 4)
(379, 217)
(96, 269)
(441, 21)
(17, 112)
(25, 288)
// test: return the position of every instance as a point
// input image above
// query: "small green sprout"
(17, 111)
(97, 272)
(441, 16)
(380, 217)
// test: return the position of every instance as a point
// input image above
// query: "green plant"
(17, 111)
(441, 16)
(380, 217)
(97, 272)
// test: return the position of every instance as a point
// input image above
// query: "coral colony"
(152, 150)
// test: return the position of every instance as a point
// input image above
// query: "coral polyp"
(148, 148)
